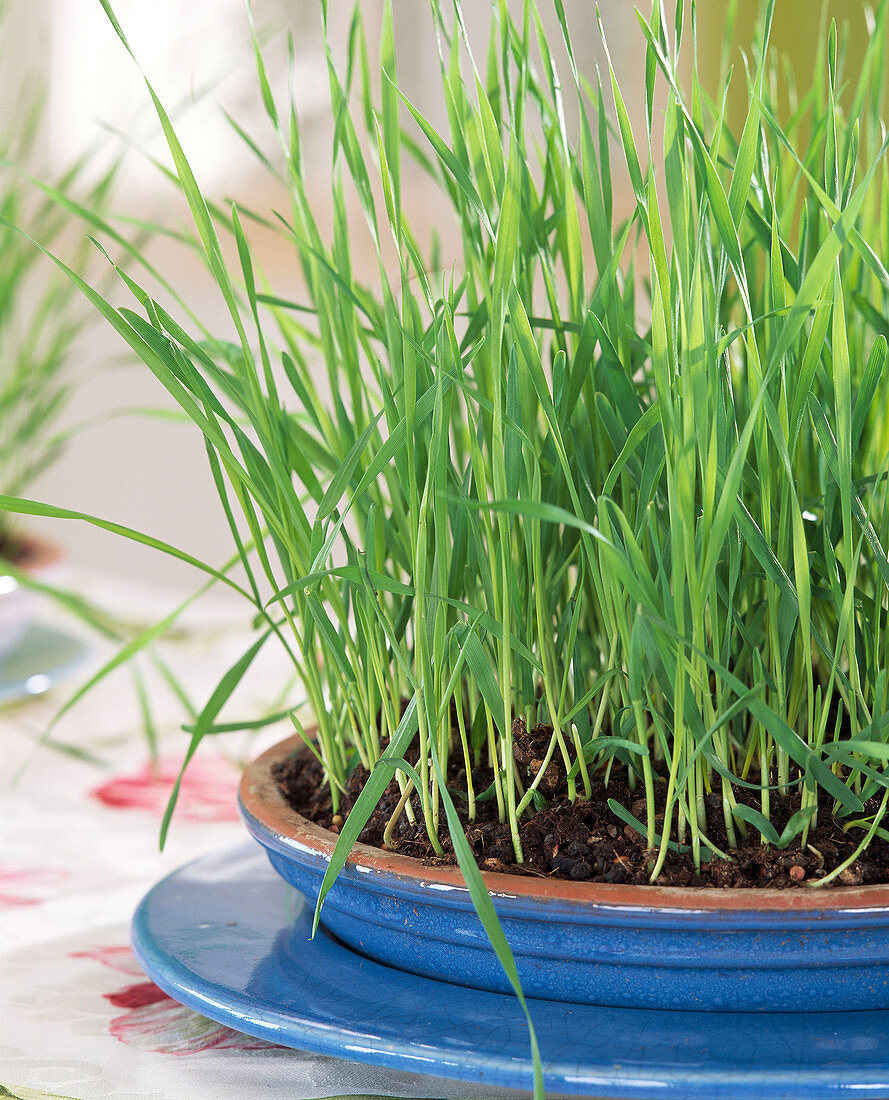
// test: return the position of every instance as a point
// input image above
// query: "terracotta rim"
(262, 799)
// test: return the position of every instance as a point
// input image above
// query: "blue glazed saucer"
(229, 938)
(40, 658)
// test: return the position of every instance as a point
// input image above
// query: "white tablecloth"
(79, 847)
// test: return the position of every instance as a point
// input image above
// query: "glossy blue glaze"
(626, 956)
(228, 938)
(40, 657)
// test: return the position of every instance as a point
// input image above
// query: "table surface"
(79, 848)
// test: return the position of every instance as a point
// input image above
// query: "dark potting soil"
(584, 840)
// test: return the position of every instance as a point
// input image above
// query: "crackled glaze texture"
(229, 939)
(634, 947)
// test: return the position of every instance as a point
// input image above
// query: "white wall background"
(143, 471)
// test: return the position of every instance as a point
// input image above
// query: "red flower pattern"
(14, 880)
(155, 1022)
(207, 792)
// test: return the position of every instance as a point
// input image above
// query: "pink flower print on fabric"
(27, 885)
(208, 791)
(154, 1022)
(116, 958)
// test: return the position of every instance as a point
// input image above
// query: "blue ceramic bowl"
(628, 946)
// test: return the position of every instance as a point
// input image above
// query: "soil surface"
(584, 840)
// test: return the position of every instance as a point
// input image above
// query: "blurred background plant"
(41, 314)
(47, 332)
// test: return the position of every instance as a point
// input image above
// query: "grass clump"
(627, 479)
(41, 312)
